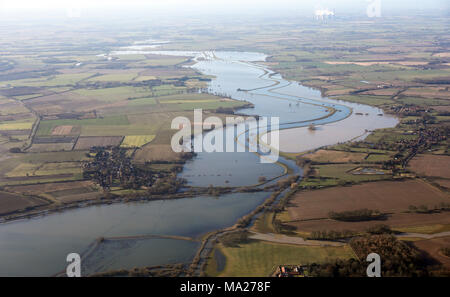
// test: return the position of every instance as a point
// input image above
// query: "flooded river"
(39, 246)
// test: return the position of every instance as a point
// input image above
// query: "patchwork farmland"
(50, 122)
(309, 211)
(88, 142)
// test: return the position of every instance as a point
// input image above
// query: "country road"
(278, 238)
(424, 236)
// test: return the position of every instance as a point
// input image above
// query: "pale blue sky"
(303, 7)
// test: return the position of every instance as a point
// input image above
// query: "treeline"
(379, 229)
(182, 158)
(356, 215)
(446, 251)
(345, 234)
(281, 228)
(398, 258)
(166, 185)
(424, 209)
(331, 235)
(235, 238)
(171, 270)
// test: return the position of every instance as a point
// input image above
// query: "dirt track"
(278, 238)
(424, 236)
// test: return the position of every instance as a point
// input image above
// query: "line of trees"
(356, 215)
(331, 235)
(398, 258)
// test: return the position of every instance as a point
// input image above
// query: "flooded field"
(39, 246)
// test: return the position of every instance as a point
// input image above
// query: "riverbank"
(250, 208)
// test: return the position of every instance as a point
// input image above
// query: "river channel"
(39, 246)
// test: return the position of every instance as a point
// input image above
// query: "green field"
(55, 157)
(46, 127)
(51, 81)
(59, 168)
(259, 258)
(115, 94)
(40, 169)
(23, 169)
(141, 102)
(15, 126)
(114, 77)
(342, 172)
(167, 61)
(264, 223)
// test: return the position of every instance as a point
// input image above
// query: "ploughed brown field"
(11, 202)
(37, 177)
(328, 156)
(155, 153)
(85, 143)
(443, 108)
(50, 147)
(386, 196)
(62, 130)
(443, 183)
(63, 192)
(431, 165)
(397, 220)
(433, 248)
(60, 192)
(308, 211)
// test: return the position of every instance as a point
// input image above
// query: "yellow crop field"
(145, 77)
(16, 126)
(136, 140)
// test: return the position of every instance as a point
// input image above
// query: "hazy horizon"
(48, 9)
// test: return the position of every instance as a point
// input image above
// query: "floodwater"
(239, 76)
(39, 246)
